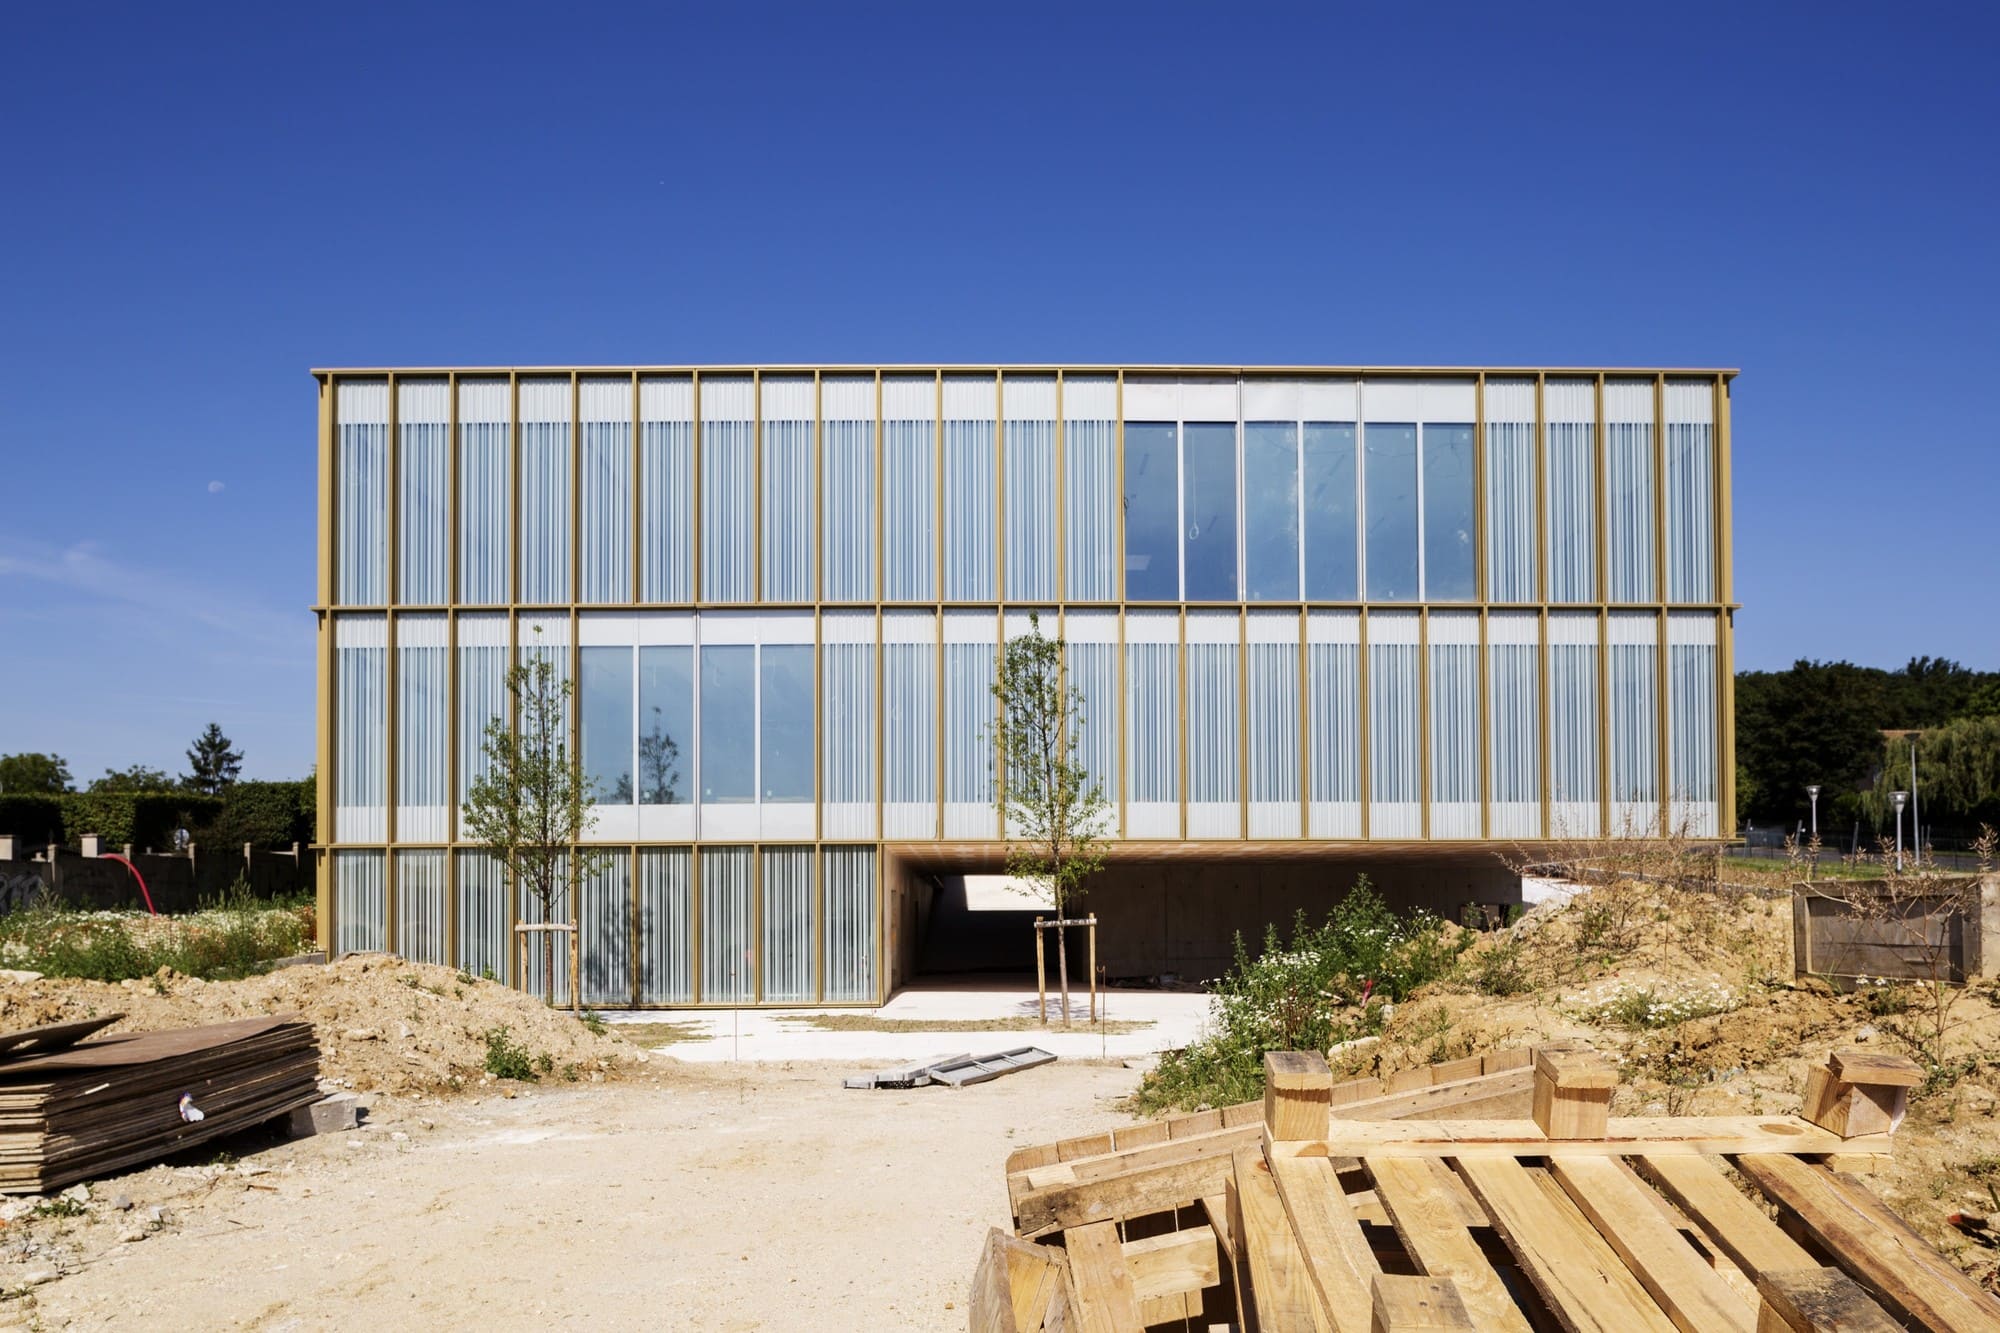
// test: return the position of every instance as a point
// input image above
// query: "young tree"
(40, 774)
(212, 765)
(1055, 809)
(532, 804)
(138, 778)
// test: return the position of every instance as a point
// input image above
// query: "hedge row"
(269, 814)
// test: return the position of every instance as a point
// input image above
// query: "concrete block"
(328, 1115)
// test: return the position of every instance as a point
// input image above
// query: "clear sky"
(200, 202)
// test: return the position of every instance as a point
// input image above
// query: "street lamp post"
(1899, 797)
(1812, 794)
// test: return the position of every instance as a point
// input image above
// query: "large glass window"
(847, 490)
(1448, 541)
(728, 724)
(666, 723)
(606, 717)
(485, 472)
(1332, 557)
(1152, 508)
(1390, 474)
(1271, 511)
(1208, 510)
(785, 725)
(545, 490)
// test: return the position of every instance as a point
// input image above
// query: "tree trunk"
(548, 959)
(1062, 967)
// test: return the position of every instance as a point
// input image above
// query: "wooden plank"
(1496, 1062)
(1876, 1067)
(1297, 1091)
(1457, 1071)
(1624, 1211)
(1151, 1190)
(1105, 1299)
(1876, 1247)
(1715, 1136)
(1175, 1262)
(1572, 1098)
(1188, 1126)
(1281, 1287)
(1141, 1135)
(1090, 1145)
(1401, 1304)
(1217, 1208)
(1736, 1226)
(1818, 1300)
(1013, 1285)
(1505, 1096)
(1582, 1281)
(1337, 1256)
(1435, 1235)
(1124, 1160)
(1356, 1090)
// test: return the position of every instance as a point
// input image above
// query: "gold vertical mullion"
(1663, 724)
(1424, 722)
(1365, 759)
(1543, 652)
(1483, 721)
(575, 490)
(695, 493)
(1243, 720)
(1181, 712)
(757, 589)
(1000, 485)
(638, 562)
(1481, 527)
(1061, 495)
(1725, 657)
(1305, 724)
(323, 696)
(391, 677)
(1600, 467)
(1543, 555)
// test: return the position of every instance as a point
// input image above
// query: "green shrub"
(1501, 969)
(506, 1058)
(1326, 985)
(33, 816)
(142, 818)
(267, 814)
(110, 946)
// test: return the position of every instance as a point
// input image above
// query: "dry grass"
(652, 1035)
(869, 1023)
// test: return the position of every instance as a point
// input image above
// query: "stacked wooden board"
(1546, 1215)
(115, 1102)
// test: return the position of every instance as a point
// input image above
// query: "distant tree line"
(1848, 729)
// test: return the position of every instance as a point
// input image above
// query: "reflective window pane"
(1152, 538)
(786, 731)
(1390, 472)
(1448, 549)
(728, 724)
(666, 723)
(1271, 511)
(607, 724)
(1208, 510)
(1332, 550)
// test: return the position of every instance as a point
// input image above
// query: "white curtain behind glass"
(1090, 509)
(1453, 649)
(423, 483)
(847, 710)
(606, 408)
(1273, 699)
(423, 729)
(788, 476)
(1573, 765)
(1633, 689)
(420, 905)
(1692, 724)
(970, 503)
(1395, 753)
(847, 489)
(1690, 491)
(545, 490)
(1510, 490)
(485, 472)
(1513, 711)
(666, 925)
(361, 505)
(847, 878)
(1333, 704)
(788, 925)
(361, 645)
(666, 489)
(909, 724)
(1213, 757)
(909, 489)
(1628, 490)
(1570, 407)
(1030, 470)
(728, 489)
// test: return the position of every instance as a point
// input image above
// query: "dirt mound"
(383, 1024)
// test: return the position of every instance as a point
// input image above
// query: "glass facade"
(1339, 606)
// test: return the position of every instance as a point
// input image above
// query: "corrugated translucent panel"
(423, 729)
(1394, 727)
(847, 702)
(1090, 489)
(1510, 491)
(1214, 759)
(909, 725)
(1389, 514)
(1271, 511)
(606, 409)
(1573, 761)
(970, 503)
(847, 932)
(1333, 720)
(423, 489)
(1570, 407)
(482, 691)
(1030, 470)
(530, 910)
(1693, 781)
(729, 489)
(788, 926)
(1690, 491)
(1152, 515)
(481, 947)
(485, 482)
(1513, 720)
(1273, 703)
(360, 729)
(421, 933)
(909, 489)
(788, 498)
(666, 489)
(1628, 490)
(666, 925)
(361, 502)
(1453, 645)
(1633, 689)
(545, 490)
(1330, 509)
(970, 712)
(606, 942)
(1449, 541)
(728, 962)
(360, 902)
(1209, 555)
(1091, 649)
(847, 489)
(1152, 725)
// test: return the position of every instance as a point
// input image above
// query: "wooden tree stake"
(1298, 1095)
(1573, 1093)
(1860, 1092)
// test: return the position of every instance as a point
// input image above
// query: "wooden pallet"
(1562, 1217)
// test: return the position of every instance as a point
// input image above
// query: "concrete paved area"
(1172, 1019)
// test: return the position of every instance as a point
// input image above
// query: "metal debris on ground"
(954, 1070)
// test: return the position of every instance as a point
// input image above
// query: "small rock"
(132, 1234)
(404, 1032)
(361, 1034)
(252, 1169)
(35, 1277)
(19, 975)
(78, 1193)
(122, 1202)
(157, 1215)
(508, 1093)
(1866, 1032)
(399, 1137)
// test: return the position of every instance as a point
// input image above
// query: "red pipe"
(113, 856)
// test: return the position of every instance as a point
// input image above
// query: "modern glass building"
(1315, 614)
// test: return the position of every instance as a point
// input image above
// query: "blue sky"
(202, 202)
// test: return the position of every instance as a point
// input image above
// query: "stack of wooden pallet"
(1539, 1210)
(113, 1102)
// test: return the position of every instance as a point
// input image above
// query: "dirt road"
(755, 1197)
